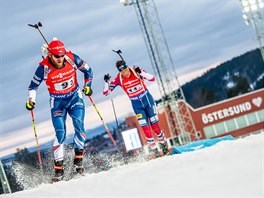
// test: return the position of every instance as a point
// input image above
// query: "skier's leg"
(150, 140)
(151, 112)
(161, 138)
(158, 132)
(77, 115)
(77, 112)
(143, 121)
(58, 116)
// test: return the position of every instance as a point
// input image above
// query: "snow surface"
(230, 169)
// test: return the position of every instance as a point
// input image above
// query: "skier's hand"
(107, 77)
(87, 91)
(138, 70)
(44, 48)
(30, 105)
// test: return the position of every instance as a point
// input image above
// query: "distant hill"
(239, 75)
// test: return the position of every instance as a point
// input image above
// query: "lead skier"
(132, 82)
(58, 70)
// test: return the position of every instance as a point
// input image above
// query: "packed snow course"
(229, 169)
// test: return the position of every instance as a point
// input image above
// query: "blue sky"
(199, 33)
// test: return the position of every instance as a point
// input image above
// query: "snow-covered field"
(230, 169)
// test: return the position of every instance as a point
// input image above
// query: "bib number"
(64, 85)
(134, 89)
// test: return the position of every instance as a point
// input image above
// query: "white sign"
(131, 139)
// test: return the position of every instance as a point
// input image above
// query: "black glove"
(30, 105)
(87, 91)
(138, 70)
(107, 77)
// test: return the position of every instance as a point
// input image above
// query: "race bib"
(134, 89)
(64, 85)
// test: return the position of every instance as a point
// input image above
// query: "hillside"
(239, 75)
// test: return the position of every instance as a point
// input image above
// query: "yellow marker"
(139, 116)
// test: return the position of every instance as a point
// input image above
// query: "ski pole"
(36, 138)
(119, 52)
(37, 26)
(113, 105)
(106, 128)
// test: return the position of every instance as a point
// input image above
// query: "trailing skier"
(132, 82)
(58, 70)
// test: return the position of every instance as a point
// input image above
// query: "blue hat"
(121, 65)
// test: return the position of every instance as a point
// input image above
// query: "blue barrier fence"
(200, 144)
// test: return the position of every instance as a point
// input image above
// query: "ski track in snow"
(230, 169)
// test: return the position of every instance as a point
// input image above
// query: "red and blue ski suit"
(65, 97)
(142, 102)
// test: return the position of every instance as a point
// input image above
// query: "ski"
(76, 173)
(55, 180)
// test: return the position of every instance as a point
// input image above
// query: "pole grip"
(119, 53)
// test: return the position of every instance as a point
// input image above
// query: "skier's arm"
(109, 87)
(35, 82)
(84, 68)
(144, 74)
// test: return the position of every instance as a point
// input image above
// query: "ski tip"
(56, 179)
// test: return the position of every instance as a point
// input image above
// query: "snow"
(230, 84)
(229, 169)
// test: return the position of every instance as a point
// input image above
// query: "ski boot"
(154, 153)
(78, 161)
(59, 172)
(164, 148)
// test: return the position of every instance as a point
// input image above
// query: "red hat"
(56, 47)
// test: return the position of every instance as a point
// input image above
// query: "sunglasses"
(122, 67)
(58, 56)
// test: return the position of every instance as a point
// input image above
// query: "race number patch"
(64, 85)
(134, 89)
